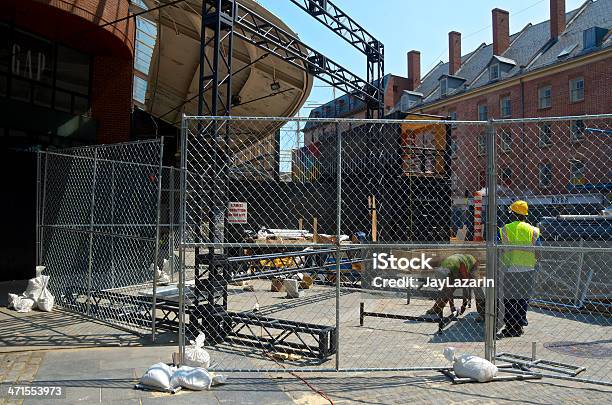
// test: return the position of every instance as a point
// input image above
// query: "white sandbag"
(218, 379)
(192, 378)
(46, 301)
(196, 355)
(39, 270)
(23, 304)
(159, 376)
(468, 366)
(35, 287)
(11, 299)
(162, 277)
(292, 288)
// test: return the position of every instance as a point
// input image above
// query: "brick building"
(558, 67)
(65, 80)
(347, 106)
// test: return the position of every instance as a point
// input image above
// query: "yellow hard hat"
(520, 207)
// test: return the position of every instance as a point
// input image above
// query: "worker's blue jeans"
(515, 314)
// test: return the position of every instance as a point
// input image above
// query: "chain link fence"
(329, 244)
(321, 243)
(98, 230)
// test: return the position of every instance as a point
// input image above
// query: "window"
(576, 89)
(505, 106)
(577, 130)
(544, 135)
(545, 174)
(483, 113)
(443, 87)
(544, 97)
(506, 140)
(494, 72)
(482, 145)
(577, 171)
(506, 175)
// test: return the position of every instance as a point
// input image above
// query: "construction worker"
(458, 267)
(517, 268)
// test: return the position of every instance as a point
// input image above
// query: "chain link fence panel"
(98, 230)
(554, 296)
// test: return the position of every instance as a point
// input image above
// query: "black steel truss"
(348, 29)
(236, 19)
(255, 29)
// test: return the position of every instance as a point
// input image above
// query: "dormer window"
(494, 72)
(443, 86)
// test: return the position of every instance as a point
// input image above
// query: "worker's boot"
(437, 309)
(510, 331)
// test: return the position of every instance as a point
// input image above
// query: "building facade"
(66, 71)
(560, 67)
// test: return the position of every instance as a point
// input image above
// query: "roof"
(342, 106)
(530, 49)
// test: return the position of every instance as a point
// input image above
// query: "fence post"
(182, 239)
(91, 230)
(171, 196)
(38, 205)
(338, 233)
(491, 273)
(157, 226)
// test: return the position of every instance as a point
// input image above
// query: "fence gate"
(98, 227)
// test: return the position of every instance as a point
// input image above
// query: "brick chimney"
(557, 18)
(414, 70)
(501, 31)
(454, 52)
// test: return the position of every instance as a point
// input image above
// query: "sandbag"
(291, 286)
(36, 286)
(23, 304)
(196, 355)
(46, 301)
(218, 379)
(159, 375)
(192, 378)
(468, 366)
(11, 299)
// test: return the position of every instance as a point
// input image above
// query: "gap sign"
(237, 213)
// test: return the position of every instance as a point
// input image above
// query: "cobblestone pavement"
(19, 368)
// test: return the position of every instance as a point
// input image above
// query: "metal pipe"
(182, 265)
(38, 198)
(157, 232)
(91, 231)
(490, 292)
(338, 233)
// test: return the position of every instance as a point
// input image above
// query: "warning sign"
(237, 213)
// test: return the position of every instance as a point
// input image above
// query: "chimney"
(501, 31)
(414, 70)
(557, 18)
(454, 52)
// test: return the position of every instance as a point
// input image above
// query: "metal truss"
(255, 29)
(348, 29)
(236, 19)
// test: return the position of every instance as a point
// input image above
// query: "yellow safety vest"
(519, 233)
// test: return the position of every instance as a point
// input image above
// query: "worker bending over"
(458, 267)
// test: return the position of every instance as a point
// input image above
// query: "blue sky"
(403, 25)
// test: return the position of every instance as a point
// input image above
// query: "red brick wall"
(111, 98)
(526, 154)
